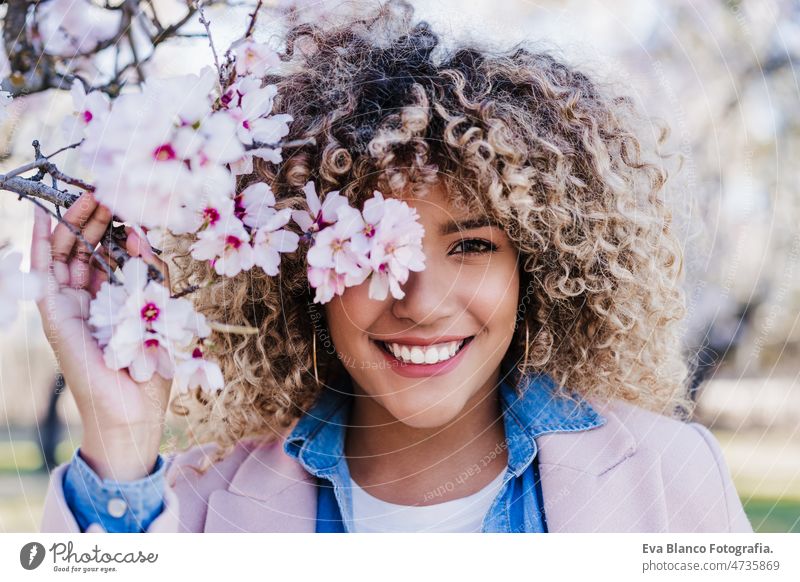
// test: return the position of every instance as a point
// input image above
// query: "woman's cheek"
(493, 294)
(349, 316)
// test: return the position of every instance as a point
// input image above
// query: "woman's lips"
(410, 370)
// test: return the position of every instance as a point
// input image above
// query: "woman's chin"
(421, 413)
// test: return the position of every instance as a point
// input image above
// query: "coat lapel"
(270, 492)
(599, 481)
(596, 480)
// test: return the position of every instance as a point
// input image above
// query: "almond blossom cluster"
(382, 242)
(245, 232)
(141, 328)
(168, 158)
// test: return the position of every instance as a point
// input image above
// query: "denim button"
(117, 507)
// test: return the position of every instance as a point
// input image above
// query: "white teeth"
(425, 354)
(431, 355)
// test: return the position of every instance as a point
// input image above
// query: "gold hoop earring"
(314, 357)
(527, 346)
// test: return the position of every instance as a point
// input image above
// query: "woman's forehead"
(441, 198)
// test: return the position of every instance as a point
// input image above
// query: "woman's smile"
(414, 358)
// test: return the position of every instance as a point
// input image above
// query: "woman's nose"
(429, 297)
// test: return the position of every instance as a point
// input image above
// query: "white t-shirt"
(466, 514)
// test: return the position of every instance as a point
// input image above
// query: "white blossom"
(140, 326)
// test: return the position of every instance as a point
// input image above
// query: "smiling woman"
(528, 379)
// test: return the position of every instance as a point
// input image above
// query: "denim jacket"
(119, 506)
(317, 442)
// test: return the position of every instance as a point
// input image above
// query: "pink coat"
(640, 472)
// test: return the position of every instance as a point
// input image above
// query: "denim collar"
(317, 440)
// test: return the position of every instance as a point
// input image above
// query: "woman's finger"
(79, 265)
(77, 215)
(40, 241)
(138, 247)
(99, 274)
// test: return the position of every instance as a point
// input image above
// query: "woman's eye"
(474, 246)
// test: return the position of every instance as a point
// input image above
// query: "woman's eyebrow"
(464, 224)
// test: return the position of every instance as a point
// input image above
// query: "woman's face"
(465, 300)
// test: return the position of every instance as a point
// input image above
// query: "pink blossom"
(250, 105)
(227, 246)
(319, 215)
(161, 155)
(140, 326)
(202, 212)
(371, 217)
(270, 240)
(327, 283)
(245, 164)
(89, 108)
(188, 98)
(396, 249)
(270, 130)
(193, 371)
(143, 355)
(333, 249)
(384, 242)
(253, 58)
(258, 204)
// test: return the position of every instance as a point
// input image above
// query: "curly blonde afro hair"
(555, 159)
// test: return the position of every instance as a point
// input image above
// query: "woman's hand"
(122, 419)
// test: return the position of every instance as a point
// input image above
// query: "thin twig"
(230, 328)
(65, 148)
(121, 256)
(135, 55)
(10, 180)
(155, 19)
(295, 143)
(26, 187)
(187, 291)
(251, 27)
(207, 25)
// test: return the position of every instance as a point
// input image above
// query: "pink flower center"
(239, 210)
(87, 116)
(211, 215)
(164, 152)
(232, 242)
(369, 230)
(151, 343)
(150, 312)
(197, 353)
(246, 124)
